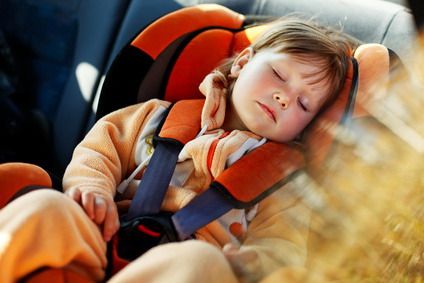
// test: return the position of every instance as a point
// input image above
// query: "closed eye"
(302, 105)
(280, 77)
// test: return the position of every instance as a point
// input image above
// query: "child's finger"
(111, 223)
(100, 208)
(87, 201)
(75, 194)
(230, 248)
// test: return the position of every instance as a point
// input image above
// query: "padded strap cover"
(183, 121)
(251, 178)
(259, 173)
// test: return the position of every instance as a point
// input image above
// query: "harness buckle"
(140, 234)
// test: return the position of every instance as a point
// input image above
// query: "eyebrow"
(321, 83)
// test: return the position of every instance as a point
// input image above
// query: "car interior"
(60, 52)
(66, 63)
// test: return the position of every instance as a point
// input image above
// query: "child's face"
(273, 95)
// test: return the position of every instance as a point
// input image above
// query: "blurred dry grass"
(368, 223)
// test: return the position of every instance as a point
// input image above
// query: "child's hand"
(102, 210)
(243, 260)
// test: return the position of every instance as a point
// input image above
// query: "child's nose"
(282, 99)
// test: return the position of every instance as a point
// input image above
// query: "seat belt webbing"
(154, 184)
(204, 208)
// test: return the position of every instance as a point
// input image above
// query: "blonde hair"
(308, 42)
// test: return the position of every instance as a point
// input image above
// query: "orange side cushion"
(15, 176)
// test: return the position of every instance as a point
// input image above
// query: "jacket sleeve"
(105, 155)
(278, 233)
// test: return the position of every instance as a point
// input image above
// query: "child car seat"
(169, 59)
(162, 61)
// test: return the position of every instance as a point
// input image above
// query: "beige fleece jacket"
(107, 155)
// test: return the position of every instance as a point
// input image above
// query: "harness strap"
(215, 202)
(351, 99)
(232, 189)
(204, 208)
(175, 130)
(155, 182)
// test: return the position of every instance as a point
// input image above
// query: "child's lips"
(268, 111)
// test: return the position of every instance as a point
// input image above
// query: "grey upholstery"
(99, 21)
(104, 27)
(370, 21)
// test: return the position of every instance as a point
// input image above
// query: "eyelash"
(278, 75)
(299, 102)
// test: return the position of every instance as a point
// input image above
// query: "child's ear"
(240, 61)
